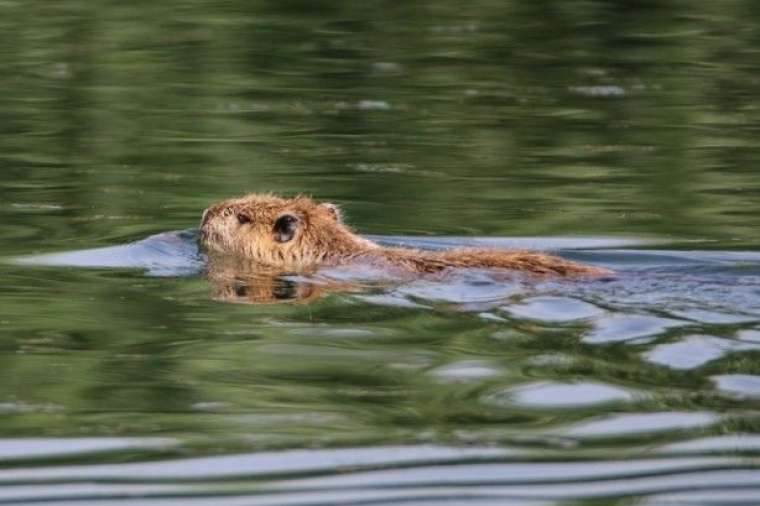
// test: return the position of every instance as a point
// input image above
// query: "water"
(621, 135)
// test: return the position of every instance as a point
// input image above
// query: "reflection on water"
(557, 396)
(694, 351)
(570, 126)
(553, 309)
(742, 386)
(418, 474)
(638, 424)
(507, 391)
(35, 448)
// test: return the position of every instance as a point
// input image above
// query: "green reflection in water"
(494, 118)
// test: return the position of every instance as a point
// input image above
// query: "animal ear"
(333, 210)
(285, 228)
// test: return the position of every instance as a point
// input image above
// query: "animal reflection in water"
(275, 237)
(265, 289)
(233, 282)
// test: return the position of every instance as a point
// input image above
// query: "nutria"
(299, 235)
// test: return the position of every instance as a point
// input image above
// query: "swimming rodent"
(300, 235)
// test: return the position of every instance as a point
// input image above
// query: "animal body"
(300, 235)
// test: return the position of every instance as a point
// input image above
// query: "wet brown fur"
(321, 239)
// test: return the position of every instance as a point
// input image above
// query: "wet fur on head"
(285, 233)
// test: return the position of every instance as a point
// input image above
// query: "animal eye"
(243, 218)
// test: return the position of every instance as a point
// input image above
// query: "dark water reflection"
(496, 119)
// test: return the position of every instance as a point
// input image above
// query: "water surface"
(621, 134)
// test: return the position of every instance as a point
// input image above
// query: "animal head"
(289, 234)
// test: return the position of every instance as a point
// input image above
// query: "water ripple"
(636, 424)
(401, 475)
(473, 344)
(695, 351)
(552, 395)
